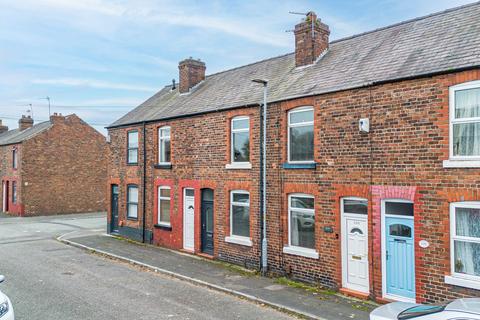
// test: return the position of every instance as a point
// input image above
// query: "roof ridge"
(408, 21)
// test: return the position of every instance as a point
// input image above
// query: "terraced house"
(372, 161)
(52, 167)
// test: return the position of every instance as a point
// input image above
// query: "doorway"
(189, 219)
(207, 221)
(355, 271)
(114, 208)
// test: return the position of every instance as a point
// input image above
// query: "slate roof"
(17, 136)
(441, 42)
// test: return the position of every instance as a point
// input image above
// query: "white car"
(461, 309)
(6, 309)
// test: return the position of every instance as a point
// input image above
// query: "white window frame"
(238, 164)
(15, 158)
(455, 278)
(132, 202)
(246, 241)
(460, 161)
(161, 144)
(303, 124)
(133, 148)
(295, 250)
(159, 222)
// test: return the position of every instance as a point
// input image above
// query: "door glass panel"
(207, 194)
(209, 219)
(400, 230)
(399, 208)
(355, 206)
(356, 230)
(189, 192)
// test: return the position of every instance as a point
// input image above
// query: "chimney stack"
(311, 40)
(3, 128)
(191, 73)
(25, 122)
(56, 117)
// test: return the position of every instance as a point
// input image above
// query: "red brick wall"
(64, 169)
(404, 151)
(200, 150)
(401, 157)
(9, 175)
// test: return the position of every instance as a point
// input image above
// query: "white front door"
(355, 245)
(188, 219)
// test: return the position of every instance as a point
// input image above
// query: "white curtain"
(467, 224)
(467, 135)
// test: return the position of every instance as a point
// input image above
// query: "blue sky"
(101, 58)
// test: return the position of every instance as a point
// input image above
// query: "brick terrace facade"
(60, 170)
(405, 157)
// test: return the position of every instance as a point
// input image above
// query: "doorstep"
(354, 293)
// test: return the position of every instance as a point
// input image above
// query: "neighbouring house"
(373, 161)
(53, 167)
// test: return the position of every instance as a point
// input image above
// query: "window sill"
(132, 218)
(166, 227)
(462, 282)
(298, 251)
(452, 163)
(238, 166)
(239, 240)
(132, 163)
(287, 165)
(163, 166)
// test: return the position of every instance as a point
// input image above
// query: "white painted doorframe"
(191, 232)
(344, 245)
(4, 197)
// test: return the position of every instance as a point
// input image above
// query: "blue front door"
(400, 258)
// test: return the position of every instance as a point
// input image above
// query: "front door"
(114, 209)
(355, 244)
(399, 252)
(5, 196)
(189, 219)
(207, 221)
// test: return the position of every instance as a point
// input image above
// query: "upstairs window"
(14, 159)
(465, 239)
(164, 206)
(164, 153)
(132, 201)
(465, 121)
(240, 140)
(132, 147)
(300, 135)
(240, 214)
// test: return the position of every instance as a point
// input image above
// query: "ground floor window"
(465, 239)
(14, 192)
(164, 206)
(301, 216)
(240, 214)
(132, 201)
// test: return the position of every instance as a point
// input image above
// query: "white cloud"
(77, 82)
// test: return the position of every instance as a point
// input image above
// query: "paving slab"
(316, 305)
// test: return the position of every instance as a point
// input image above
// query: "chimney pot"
(311, 40)
(25, 122)
(191, 73)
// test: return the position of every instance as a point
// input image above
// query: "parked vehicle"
(6, 309)
(460, 309)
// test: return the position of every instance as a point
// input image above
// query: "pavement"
(46, 279)
(281, 294)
